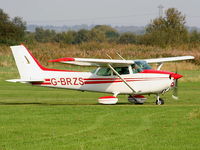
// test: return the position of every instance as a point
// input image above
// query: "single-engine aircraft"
(132, 77)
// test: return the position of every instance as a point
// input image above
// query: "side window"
(122, 70)
(104, 72)
(136, 68)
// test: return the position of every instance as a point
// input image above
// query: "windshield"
(143, 65)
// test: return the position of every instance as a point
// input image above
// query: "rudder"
(27, 65)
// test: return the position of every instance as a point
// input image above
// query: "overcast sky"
(114, 12)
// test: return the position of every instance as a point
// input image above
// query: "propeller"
(175, 89)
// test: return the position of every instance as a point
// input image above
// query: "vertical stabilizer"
(28, 67)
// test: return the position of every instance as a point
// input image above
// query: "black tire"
(161, 101)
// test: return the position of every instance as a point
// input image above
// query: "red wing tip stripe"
(62, 59)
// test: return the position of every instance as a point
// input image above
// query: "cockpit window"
(93, 71)
(122, 70)
(143, 65)
(104, 72)
(136, 68)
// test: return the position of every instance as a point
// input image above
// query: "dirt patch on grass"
(195, 114)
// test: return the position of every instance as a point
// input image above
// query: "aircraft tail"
(28, 66)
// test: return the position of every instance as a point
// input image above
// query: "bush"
(128, 38)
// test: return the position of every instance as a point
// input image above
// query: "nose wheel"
(159, 101)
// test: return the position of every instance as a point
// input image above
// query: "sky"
(110, 12)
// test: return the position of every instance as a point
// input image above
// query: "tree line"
(11, 30)
(162, 31)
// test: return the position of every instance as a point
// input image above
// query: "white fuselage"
(143, 83)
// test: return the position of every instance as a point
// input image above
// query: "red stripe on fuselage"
(156, 71)
(101, 82)
(116, 80)
(172, 74)
(113, 79)
(41, 83)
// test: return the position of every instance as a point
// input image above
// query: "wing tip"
(62, 59)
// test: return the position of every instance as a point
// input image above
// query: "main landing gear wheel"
(159, 101)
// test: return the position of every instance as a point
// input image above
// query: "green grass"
(44, 118)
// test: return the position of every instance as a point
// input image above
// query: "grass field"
(44, 118)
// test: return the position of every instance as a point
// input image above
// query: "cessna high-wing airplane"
(132, 77)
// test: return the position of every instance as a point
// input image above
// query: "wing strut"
(159, 66)
(121, 78)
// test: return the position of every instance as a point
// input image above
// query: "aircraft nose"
(176, 76)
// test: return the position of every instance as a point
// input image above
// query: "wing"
(93, 62)
(168, 59)
(115, 62)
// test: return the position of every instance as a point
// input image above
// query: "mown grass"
(45, 118)
(98, 127)
(37, 118)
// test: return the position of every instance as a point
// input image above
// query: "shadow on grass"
(73, 104)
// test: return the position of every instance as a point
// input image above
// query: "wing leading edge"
(93, 62)
(115, 62)
(168, 59)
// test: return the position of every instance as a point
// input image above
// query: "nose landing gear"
(159, 101)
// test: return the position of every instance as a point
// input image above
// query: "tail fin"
(28, 66)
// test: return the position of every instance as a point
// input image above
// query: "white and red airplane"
(132, 77)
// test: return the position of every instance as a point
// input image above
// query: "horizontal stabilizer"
(24, 80)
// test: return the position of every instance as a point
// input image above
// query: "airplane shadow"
(71, 104)
(42, 104)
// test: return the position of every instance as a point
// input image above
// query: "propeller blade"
(175, 90)
(175, 97)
